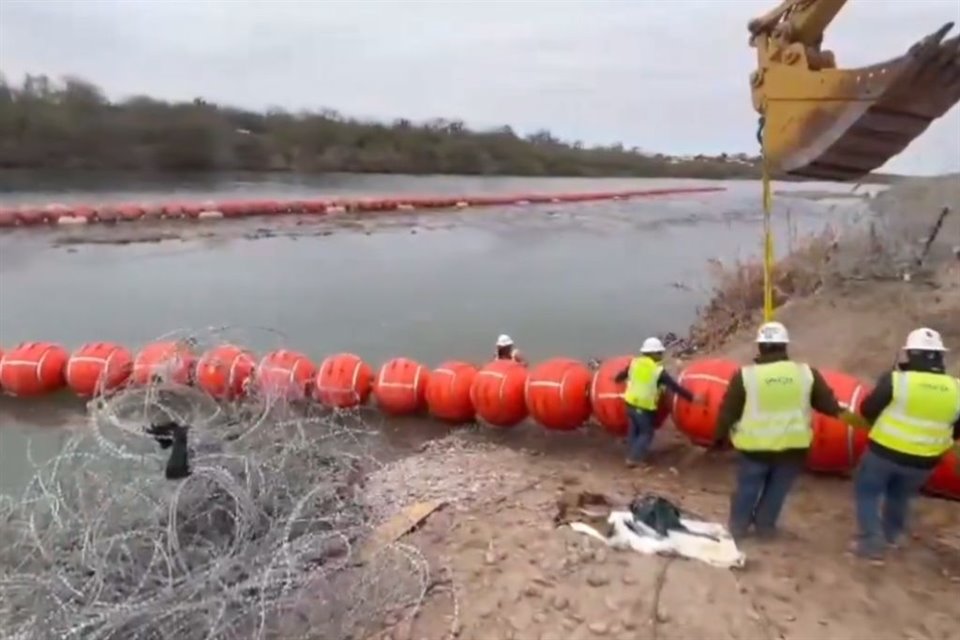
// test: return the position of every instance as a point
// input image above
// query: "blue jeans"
(639, 433)
(896, 485)
(761, 491)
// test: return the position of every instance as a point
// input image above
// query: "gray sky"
(662, 75)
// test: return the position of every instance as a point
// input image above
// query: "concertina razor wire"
(260, 541)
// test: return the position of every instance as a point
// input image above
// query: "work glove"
(855, 420)
(718, 444)
(163, 433)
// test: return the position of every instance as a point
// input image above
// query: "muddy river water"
(584, 280)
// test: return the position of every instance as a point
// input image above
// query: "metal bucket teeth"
(855, 120)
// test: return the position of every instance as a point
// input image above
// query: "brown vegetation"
(889, 249)
(737, 298)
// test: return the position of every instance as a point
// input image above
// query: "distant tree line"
(72, 125)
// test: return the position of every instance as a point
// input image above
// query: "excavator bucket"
(841, 124)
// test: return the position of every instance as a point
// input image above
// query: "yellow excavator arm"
(818, 121)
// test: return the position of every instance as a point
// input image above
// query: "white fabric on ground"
(719, 550)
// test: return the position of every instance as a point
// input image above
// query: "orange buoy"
(315, 206)
(664, 405)
(448, 394)
(344, 381)
(837, 447)
(84, 213)
(192, 209)
(557, 394)
(33, 368)
(224, 371)
(167, 361)
(709, 378)
(97, 367)
(284, 373)
(130, 212)
(401, 386)
(945, 480)
(606, 396)
(152, 210)
(497, 393)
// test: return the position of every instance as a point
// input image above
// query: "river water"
(582, 280)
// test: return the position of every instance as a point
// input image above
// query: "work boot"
(873, 556)
(766, 534)
(631, 463)
(739, 531)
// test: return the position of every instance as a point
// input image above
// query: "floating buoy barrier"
(497, 393)
(664, 409)
(945, 481)
(60, 214)
(225, 371)
(167, 361)
(98, 367)
(285, 374)
(401, 387)
(33, 369)
(560, 394)
(606, 396)
(557, 394)
(448, 395)
(344, 381)
(837, 447)
(709, 378)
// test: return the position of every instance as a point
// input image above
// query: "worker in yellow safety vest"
(766, 411)
(645, 376)
(915, 413)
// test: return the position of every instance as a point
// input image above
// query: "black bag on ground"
(658, 513)
(661, 515)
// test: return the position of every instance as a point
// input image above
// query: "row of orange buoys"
(560, 394)
(32, 215)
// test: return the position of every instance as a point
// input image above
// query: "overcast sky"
(664, 75)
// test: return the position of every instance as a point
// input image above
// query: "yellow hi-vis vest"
(776, 413)
(919, 419)
(643, 389)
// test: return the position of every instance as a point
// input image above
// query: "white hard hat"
(504, 340)
(924, 339)
(652, 345)
(773, 333)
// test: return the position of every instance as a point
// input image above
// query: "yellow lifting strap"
(767, 249)
(767, 245)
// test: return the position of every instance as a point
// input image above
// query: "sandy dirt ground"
(503, 570)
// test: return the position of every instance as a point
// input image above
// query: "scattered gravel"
(453, 469)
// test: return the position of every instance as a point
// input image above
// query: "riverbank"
(505, 571)
(73, 126)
